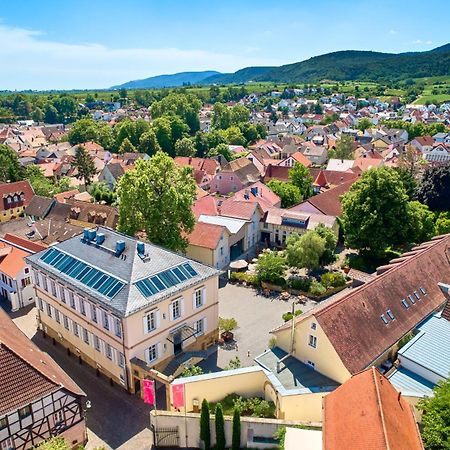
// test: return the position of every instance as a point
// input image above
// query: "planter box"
(227, 336)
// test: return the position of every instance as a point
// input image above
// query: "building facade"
(15, 197)
(38, 400)
(121, 305)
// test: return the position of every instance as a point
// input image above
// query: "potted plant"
(226, 326)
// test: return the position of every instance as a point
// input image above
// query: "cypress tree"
(205, 431)
(220, 428)
(236, 440)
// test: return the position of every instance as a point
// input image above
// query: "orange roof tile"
(12, 260)
(206, 235)
(34, 247)
(367, 413)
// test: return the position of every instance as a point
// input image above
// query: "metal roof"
(129, 267)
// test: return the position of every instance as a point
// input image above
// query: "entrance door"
(177, 348)
(137, 386)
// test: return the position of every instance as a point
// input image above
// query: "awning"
(239, 264)
(181, 334)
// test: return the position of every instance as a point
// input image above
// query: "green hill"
(174, 80)
(349, 65)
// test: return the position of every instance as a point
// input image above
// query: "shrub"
(316, 288)
(220, 428)
(233, 363)
(242, 276)
(227, 324)
(271, 267)
(236, 437)
(288, 316)
(332, 279)
(272, 342)
(191, 371)
(300, 284)
(205, 431)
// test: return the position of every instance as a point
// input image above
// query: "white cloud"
(392, 31)
(29, 61)
(421, 42)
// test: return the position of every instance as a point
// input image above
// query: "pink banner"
(149, 392)
(178, 395)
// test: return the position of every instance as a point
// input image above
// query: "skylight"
(95, 279)
(417, 295)
(424, 292)
(384, 319)
(390, 314)
(166, 279)
(405, 303)
(411, 299)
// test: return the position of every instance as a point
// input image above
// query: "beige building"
(126, 307)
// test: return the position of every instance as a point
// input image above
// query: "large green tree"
(148, 143)
(85, 165)
(375, 213)
(10, 169)
(185, 147)
(422, 222)
(344, 148)
(305, 251)
(434, 190)
(436, 418)
(85, 130)
(331, 240)
(289, 194)
(300, 177)
(157, 197)
(185, 106)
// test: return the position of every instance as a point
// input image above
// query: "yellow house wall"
(302, 407)
(7, 214)
(204, 255)
(325, 358)
(215, 389)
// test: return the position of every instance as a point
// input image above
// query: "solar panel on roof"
(166, 279)
(101, 282)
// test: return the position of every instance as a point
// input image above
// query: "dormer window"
(384, 319)
(390, 314)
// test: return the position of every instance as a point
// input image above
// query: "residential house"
(204, 169)
(367, 412)
(440, 153)
(15, 197)
(424, 361)
(127, 308)
(423, 143)
(293, 158)
(327, 202)
(38, 399)
(208, 244)
(39, 207)
(260, 193)
(112, 172)
(317, 154)
(340, 165)
(350, 333)
(234, 176)
(279, 224)
(276, 173)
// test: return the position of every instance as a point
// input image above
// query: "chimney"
(120, 247)
(140, 247)
(100, 238)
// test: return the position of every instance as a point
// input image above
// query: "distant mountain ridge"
(338, 66)
(172, 80)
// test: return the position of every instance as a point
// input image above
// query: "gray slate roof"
(129, 270)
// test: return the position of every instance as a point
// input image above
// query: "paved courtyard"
(256, 315)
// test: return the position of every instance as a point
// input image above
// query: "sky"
(89, 44)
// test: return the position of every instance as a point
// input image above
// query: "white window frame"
(152, 353)
(198, 298)
(312, 341)
(199, 331)
(97, 343)
(108, 351)
(151, 321)
(178, 302)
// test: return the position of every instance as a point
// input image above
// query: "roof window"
(405, 303)
(390, 314)
(384, 319)
(411, 299)
(417, 295)
(424, 292)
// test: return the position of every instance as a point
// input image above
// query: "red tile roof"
(276, 172)
(26, 373)
(333, 177)
(238, 209)
(18, 187)
(301, 158)
(210, 166)
(353, 323)
(367, 413)
(206, 235)
(12, 260)
(33, 247)
(205, 205)
(329, 202)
